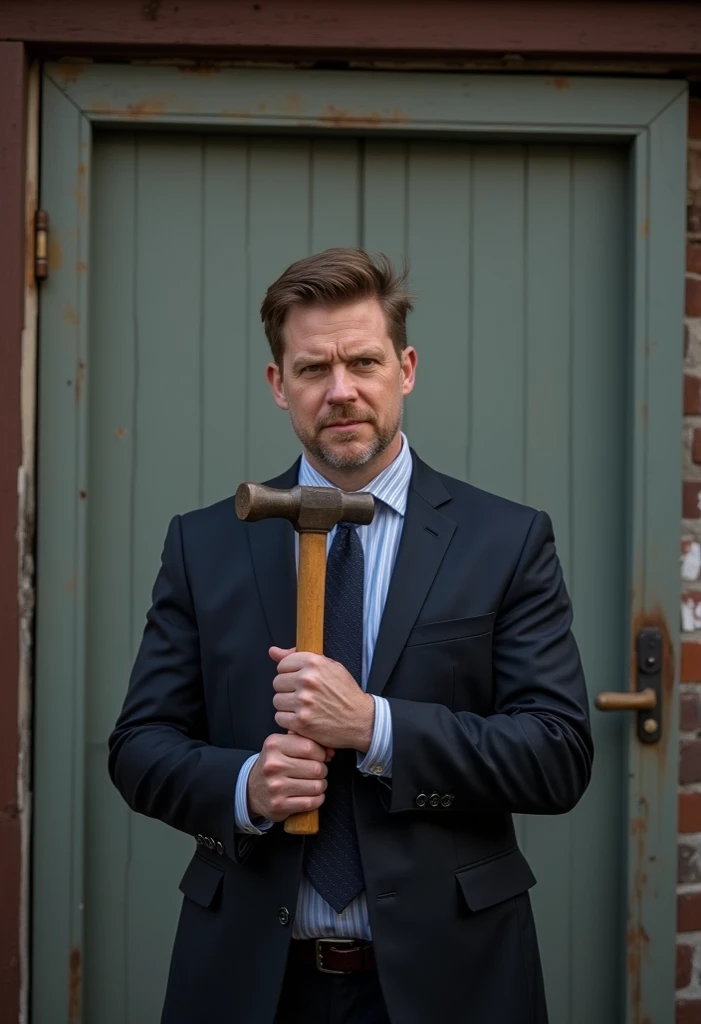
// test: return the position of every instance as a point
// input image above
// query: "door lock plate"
(649, 672)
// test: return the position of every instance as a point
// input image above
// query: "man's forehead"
(327, 320)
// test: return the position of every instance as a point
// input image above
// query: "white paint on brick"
(691, 560)
(693, 990)
(691, 614)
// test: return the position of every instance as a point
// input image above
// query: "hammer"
(313, 511)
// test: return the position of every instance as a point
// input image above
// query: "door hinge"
(41, 245)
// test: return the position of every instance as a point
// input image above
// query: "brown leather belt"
(333, 956)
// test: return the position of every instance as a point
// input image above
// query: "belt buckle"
(318, 949)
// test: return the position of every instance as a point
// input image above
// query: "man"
(450, 697)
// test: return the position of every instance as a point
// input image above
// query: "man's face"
(342, 382)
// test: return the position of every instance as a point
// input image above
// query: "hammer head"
(309, 509)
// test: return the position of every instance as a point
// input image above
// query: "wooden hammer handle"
(311, 586)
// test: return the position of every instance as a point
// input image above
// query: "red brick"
(690, 662)
(690, 762)
(692, 395)
(696, 446)
(694, 123)
(693, 257)
(689, 813)
(685, 955)
(688, 1011)
(690, 505)
(692, 304)
(689, 912)
(689, 713)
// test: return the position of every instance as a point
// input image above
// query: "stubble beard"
(334, 455)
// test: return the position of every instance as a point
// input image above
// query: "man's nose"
(341, 387)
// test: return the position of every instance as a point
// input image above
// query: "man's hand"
(317, 698)
(288, 777)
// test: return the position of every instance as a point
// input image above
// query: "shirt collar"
(391, 486)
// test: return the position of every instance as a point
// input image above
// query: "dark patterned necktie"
(332, 860)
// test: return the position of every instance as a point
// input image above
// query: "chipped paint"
(70, 315)
(560, 84)
(645, 228)
(55, 253)
(26, 590)
(81, 267)
(341, 118)
(149, 107)
(79, 381)
(121, 432)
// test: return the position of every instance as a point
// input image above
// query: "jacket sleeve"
(160, 757)
(534, 753)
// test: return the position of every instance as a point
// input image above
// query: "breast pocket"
(450, 629)
(448, 662)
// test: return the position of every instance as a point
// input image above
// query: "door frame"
(650, 116)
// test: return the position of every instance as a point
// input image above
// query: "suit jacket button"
(209, 843)
(199, 840)
(434, 800)
(219, 847)
(447, 800)
(283, 915)
(421, 800)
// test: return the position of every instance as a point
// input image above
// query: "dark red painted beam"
(13, 75)
(583, 28)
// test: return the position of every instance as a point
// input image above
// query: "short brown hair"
(333, 278)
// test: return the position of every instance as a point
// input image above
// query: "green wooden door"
(521, 259)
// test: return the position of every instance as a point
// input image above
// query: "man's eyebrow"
(366, 352)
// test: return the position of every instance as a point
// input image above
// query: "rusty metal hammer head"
(309, 509)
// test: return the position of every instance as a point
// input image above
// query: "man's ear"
(273, 375)
(408, 369)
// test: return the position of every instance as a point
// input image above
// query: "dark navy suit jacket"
(489, 717)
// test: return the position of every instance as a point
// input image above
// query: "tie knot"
(348, 527)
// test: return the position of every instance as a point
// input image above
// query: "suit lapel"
(273, 554)
(425, 539)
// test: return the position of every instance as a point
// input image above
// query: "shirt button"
(377, 768)
(199, 840)
(421, 800)
(219, 848)
(434, 800)
(283, 915)
(447, 800)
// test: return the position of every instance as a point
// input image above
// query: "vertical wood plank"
(166, 479)
(597, 570)
(438, 245)
(110, 536)
(334, 193)
(497, 330)
(225, 316)
(547, 840)
(658, 229)
(57, 933)
(279, 234)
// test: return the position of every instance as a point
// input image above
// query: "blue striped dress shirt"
(380, 539)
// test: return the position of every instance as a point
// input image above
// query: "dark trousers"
(311, 997)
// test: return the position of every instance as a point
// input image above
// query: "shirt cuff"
(242, 818)
(378, 760)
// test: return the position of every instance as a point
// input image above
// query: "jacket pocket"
(490, 882)
(450, 629)
(202, 881)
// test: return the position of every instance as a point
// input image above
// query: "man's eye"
(313, 368)
(366, 362)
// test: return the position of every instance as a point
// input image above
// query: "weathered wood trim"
(343, 101)
(442, 27)
(13, 79)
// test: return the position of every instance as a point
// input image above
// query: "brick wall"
(689, 859)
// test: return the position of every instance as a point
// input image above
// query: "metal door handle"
(610, 700)
(647, 699)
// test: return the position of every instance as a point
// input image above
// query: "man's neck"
(356, 477)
